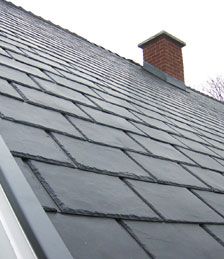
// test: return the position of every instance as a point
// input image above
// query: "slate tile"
(25, 112)
(215, 200)
(191, 135)
(16, 75)
(106, 135)
(217, 152)
(155, 123)
(169, 241)
(116, 100)
(166, 171)
(78, 78)
(175, 203)
(94, 193)
(31, 141)
(93, 240)
(35, 184)
(7, 89)
(3, 52)
(6, 45)
(21, 66)
(158, 134)
(212, 178)
(195, 146)
(58, 90)
(32, 62)
(110, 119)
(218, 145)
(46, 100)
(100, 157)
(43, 60)
(203, 160)
(161, 149)
(217, 230)
(114, 109)
(72, 84)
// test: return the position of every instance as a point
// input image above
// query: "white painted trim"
(13, 230)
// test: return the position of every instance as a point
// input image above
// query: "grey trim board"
(42, 235)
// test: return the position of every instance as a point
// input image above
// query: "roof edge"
(68, 31)
(29, 212)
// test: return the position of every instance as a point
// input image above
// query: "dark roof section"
(104, 144)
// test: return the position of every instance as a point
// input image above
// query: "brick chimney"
(164, 51)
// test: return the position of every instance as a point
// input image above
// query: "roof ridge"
(68, 31)
(81, 37)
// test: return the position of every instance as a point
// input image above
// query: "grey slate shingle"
(175, 203)
(50, 101)
(161, 149)
(16, 75)
(95, 237)
(31, 141)
(99, 157)
(94, 193)
(110, 119)
(214, 200)
(106, 135)
(212, 178)
(166, 171)
(28, 113)
(7, 89)
(61, 91)
(169, 241)
(203, 160)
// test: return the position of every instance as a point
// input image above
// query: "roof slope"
(125, 165)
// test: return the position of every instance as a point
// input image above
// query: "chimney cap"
(160, 35)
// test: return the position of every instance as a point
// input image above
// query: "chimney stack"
(164, 51)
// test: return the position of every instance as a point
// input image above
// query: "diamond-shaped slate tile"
(166, 171)
(25, 112)
(169, 241)
(106, 135)
(215, 200)
(110, 119)
(100, 157)
(47, 100)
(212, 178)
(31, 141)
(203, 160)
(96, 238)
(16, 75)
(95, 193)
(196, 146)
(217, 231)
(155, 123)
(115, 109)
(72, 84)
(7, 89)
(37, 187)
(22, 67)
(63, 92)
(158, 134)
(175, 203)
(161, 149)
(32, 62)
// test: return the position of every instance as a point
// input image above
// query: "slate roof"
(124, 164)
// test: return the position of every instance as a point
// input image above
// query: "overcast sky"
(119, 25)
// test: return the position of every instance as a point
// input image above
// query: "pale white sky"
(119, 25)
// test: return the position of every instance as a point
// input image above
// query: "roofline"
(160, 34)
(42, 235)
